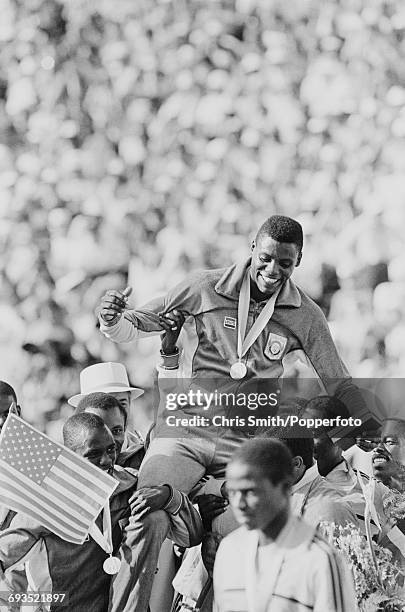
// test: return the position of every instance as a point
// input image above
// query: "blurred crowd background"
(141, 140)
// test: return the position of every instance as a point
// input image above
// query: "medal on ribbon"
(238, 370)
(112, 564)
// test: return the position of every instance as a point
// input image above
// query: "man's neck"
(300, 476)
(257, 295)
(273, 529)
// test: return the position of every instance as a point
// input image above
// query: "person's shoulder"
(205, 277)
(311, 313)
(335, 509)
(309, 304)
(21, 520)
(236, 540)
(197, 284)
(127, 478)
(321, 551)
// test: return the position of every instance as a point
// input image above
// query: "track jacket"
(297, 328)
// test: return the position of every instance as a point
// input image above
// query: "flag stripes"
(28, 493)
(48, 482)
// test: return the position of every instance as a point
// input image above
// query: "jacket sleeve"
(324, 358)
(134, 324)
(18, 541)
(143, 321)
(186, 527)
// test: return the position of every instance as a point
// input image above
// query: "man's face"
(5, 403)
(98, 447)
(124, 398)
(272, 263)
(114, 420)
(390, 452)
(255, 500)
(327, 454)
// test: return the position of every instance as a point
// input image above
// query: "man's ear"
(298, 259)
(298, 462)
(253, 245)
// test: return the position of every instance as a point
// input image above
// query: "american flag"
(48, 482)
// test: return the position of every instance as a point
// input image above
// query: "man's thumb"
(127, 292)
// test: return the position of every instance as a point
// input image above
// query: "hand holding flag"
(49, 482)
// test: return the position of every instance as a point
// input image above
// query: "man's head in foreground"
(389, 456)
(276, 251)
(259, 478)
(87, 435)
(7, 398)
(110, 410)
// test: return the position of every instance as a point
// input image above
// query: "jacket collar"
(307, 479)
(126, 479)
(231, 281)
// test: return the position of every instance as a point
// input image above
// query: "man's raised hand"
(113, 303)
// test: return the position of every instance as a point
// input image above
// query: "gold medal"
(112, 565)
(238, 370)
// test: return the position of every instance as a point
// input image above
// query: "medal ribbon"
(245, 342)
(103, 539)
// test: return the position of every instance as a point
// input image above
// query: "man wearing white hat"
(111, 378)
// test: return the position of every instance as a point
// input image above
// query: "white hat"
(105, 378)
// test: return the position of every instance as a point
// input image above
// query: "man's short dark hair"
(78, 425)
(7, 391)
(282, 229)
(400, 423)
(100, 401)
(301, 447)
(330, 405)
(271, 456)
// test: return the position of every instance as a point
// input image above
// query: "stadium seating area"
(142, 140)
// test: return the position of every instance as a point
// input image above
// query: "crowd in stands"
(140, 141)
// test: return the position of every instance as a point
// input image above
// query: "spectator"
(81, 575)
(285, 562)
(8, 400)
(389, 456)
(114, 415)
(111, 378)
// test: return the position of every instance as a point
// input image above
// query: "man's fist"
(211, 506)
(172, 322)
(113, 303)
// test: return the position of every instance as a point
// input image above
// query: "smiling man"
(274, 561)
(389, 456)
(240, 324)
(74, 569)
(77, 569)
(273, 262)
(114, 415)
